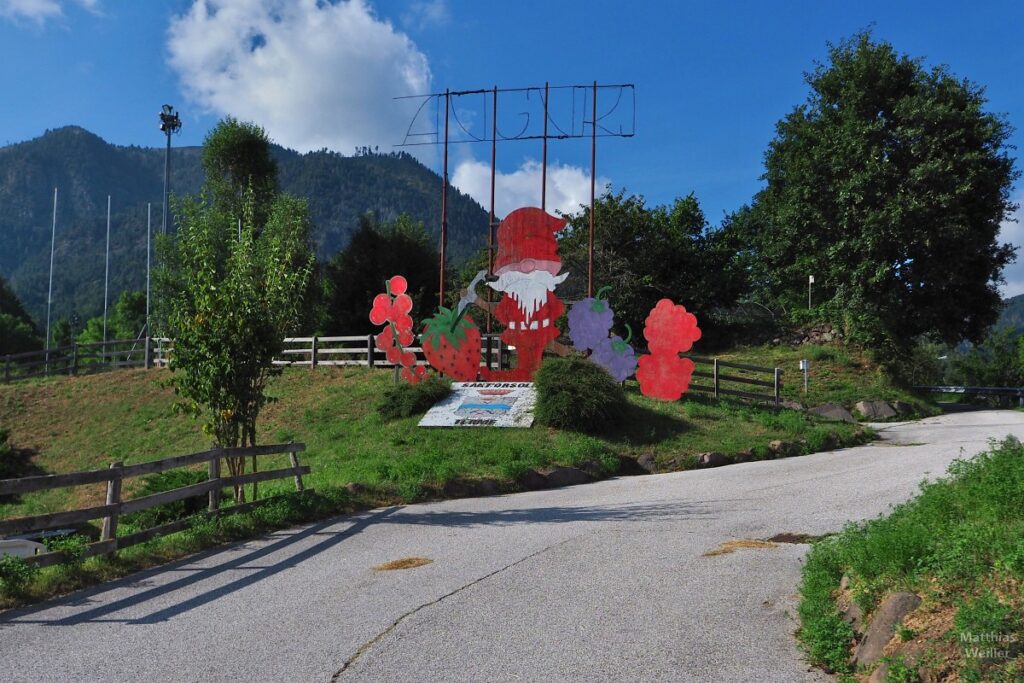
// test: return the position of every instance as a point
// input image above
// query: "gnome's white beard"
(529, 290)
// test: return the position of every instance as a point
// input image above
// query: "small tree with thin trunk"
(229, 297)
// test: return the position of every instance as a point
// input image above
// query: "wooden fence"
(736, 379)
(362, 350)
(114, 506)
(727, 378)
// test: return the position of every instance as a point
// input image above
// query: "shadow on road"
(102, 612)
(558, 514)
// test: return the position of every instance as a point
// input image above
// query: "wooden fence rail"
(356, 350)
(755, 375)
(114, 506)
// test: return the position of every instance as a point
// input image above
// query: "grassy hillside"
(88, 422)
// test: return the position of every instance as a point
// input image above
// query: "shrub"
(575, 394)
(73, 547)
(406, 400)
(15, 573)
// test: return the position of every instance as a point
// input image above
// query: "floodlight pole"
(149, 233)
(491, 218)
(544, 155)
(444, 201)
(593, 176)
(170, 123)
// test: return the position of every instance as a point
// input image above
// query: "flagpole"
(106, 275)
(49, 295)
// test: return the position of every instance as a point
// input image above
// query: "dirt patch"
(404, 563)
(734, 545)
(790, 537)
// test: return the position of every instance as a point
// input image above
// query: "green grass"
(959, 544)
(838, 375)
(81, 423)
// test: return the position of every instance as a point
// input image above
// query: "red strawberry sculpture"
(669, 331)
(451, 344)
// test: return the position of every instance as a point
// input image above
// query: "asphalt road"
(605, 582)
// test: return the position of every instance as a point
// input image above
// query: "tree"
(376, 252)
(646, 254)
(126, 321)
(888, 186)
(230, 299)
(17, 331)
(236, 157)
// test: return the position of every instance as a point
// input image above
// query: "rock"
(875, 410)
(832, 411)
(487, 487)
(746, 455)
(713, 459)
(647, 463)
(853, 616)
(567, 476)
(844, 582)
(880, 675)
(783, 449)
(354, 489)
(792, 405)
(532, 480)
(629, 466)
(903, 408)
(883, 624)
(593, 468)
(469, 488)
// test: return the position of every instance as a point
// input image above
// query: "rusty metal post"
(490, 219)
(544, 161)
(593, 181)
(444, 199)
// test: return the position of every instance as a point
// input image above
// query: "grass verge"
(960, 546)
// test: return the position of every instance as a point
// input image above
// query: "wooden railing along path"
(114, 506)
(727, 378)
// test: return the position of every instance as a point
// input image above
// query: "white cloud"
(568, 186)
(40, 11)
(1014, 234)
(314, 74)
(422, 15)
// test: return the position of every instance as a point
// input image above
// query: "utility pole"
(106, 275)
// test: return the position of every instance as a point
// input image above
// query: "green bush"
(15, 574)
(575, 394)
(406, 400)
(73, 547)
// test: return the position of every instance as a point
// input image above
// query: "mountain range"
(85, 169)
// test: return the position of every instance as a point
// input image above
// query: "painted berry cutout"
(451, 344)
(590, 320)
(398, 285)
(669, 330)
(392, 309)
(616, 356)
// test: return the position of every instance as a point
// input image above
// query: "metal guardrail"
(1015, 392)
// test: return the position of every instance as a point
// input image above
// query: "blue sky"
(711, 79)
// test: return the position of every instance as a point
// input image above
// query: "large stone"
(832, 411)
(783, 449)
(746, 455)
(791, 404)
(470, 488)
(567, 476)
(629, 466)
(532, 480)
(883, 625)
(903, 408)
(875, 410)
(713, 459)
(647, 463)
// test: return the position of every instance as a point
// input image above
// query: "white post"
(810, 281)
(106, 276)
(149, 232)
(49, 295)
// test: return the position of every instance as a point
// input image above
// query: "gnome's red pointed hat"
(526, 242)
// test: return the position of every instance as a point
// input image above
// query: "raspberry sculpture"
(669, 330)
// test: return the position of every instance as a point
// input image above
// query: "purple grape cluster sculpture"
(616, 356)
(590, 323)
(590, 320)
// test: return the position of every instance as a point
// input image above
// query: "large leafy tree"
(888, 185)
(17, 331)
(376, 252)
(230, 297)
(646, 254)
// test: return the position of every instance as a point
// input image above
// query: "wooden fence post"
(113, 498)
(147, 358)
(7, 369)
(490, 352)
(369, 350)
(213, 475)
(778, 385)
(312, 355)
(715, 371)
(74, 358)
(298, 477)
